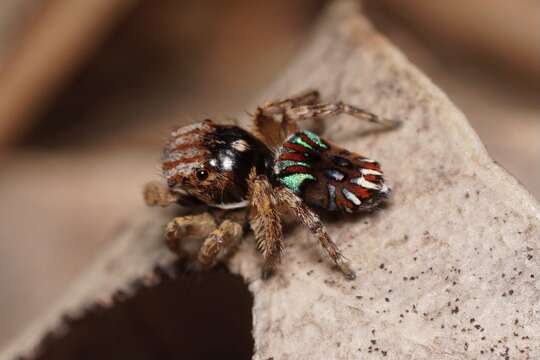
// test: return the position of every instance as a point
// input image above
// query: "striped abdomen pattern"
(328, 176)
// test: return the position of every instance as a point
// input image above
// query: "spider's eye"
(201, 174)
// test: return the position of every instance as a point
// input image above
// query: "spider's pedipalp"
(157, 193)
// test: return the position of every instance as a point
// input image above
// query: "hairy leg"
(273, 132)
(315, 225)
(187, 228)
(321, 111)
(265, 222)
(302, 107)
(276, 107)
(221, 239)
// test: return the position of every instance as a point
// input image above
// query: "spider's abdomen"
(328, 176)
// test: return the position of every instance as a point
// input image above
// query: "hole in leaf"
(203, 315)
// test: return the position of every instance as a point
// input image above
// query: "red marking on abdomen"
(295, 169)
(360, 191)
(345, 203)
(371, 166)
(295, 147)
(372, 178)
(308, 141)
(292, 157)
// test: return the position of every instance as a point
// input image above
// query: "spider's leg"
(265, 222)
(322, 111)
(271, 129)
(157, 193)
(309, 218)
(188, 228)
(276, 107)
(221, 239)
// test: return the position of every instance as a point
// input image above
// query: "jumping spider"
(272, 170)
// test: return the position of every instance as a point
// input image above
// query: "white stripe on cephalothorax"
(238, 205)
(179, 191)
(364, 183)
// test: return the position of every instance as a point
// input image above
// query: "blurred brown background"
(88, 90)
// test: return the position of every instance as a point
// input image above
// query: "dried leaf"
(448, 270)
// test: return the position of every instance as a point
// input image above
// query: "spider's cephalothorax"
(274, 170)
(210, 163)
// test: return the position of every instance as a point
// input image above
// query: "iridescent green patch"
(294, 181)
(282, 165)
(286, 150)
(316, 139)
(299, 141)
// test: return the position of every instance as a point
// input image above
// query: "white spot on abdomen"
(370, 172)
(351, 197)
(364, 183)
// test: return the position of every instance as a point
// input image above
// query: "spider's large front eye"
(202, 174)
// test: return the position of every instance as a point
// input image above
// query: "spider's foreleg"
(322, 111)
(188, 228)
(221, 239)
(265, 222)
(315, 225)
